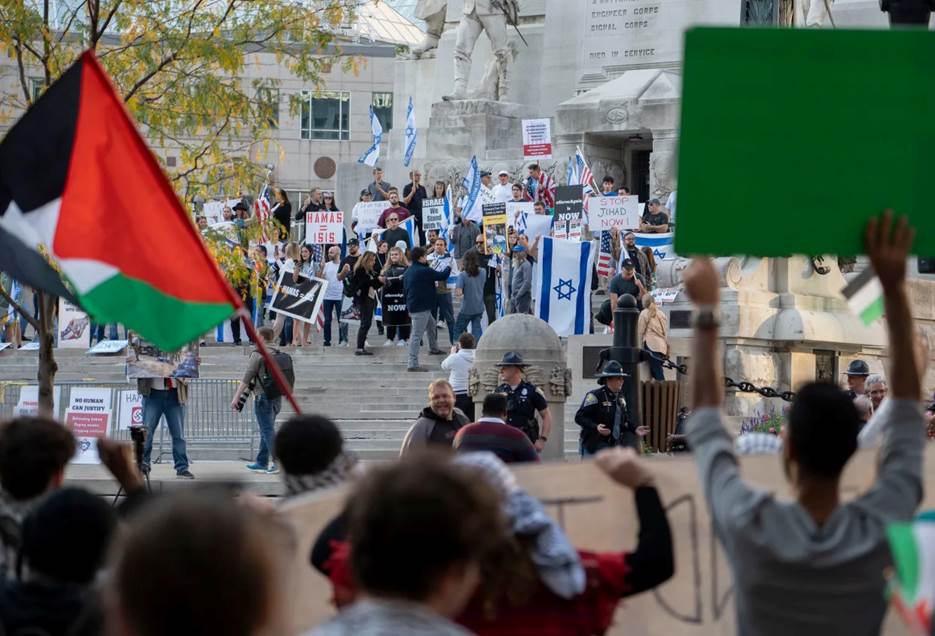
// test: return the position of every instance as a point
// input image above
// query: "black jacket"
(599, 407)
(363, 281)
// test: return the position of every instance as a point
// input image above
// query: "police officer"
(857, 372)
(523, 400)
(604, 416)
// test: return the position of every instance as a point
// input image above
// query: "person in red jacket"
(531, 587)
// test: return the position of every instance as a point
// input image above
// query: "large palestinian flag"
(76, 176)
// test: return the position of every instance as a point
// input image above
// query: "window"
(326, 115)
(268, 105)
(383, 109)
(36, 87)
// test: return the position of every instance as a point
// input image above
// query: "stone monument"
(542, 350)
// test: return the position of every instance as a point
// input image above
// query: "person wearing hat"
(655, 220)
(521, 283)
(604, 416)
(857, 372)
(626, 282)
(503, 191)
(524, 400)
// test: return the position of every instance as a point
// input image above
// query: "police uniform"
(522, 404)
(602, 406)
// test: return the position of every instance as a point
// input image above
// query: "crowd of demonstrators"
(821, 556)
(528, 579)
(396, 319)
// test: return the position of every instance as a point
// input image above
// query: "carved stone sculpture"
(491, 17)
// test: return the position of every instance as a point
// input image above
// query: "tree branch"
(104, 26)
(174, 55)
(22, 71)
(19, 309)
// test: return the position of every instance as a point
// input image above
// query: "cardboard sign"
(324, 227)
(301, 300)
(367, 215)
(129, 410)
(88, 418)
(74, 326)
(28, 403)
(145, 360)
(495, 228)
(598, 514)
(108, 346)
(569, 206)
(622, 213)
(433, 214)
(537, 139)
(664, 295)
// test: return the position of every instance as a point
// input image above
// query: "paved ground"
(163, 479)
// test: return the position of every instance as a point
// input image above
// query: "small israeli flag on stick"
(372, 154)
(410, 134)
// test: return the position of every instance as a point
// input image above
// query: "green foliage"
(178, 65)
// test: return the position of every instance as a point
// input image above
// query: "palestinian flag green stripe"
(906, 558)
(163, 319)
(864, 296)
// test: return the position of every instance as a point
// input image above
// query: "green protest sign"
(792, 138)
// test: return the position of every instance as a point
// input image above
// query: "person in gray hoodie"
(521, 283)
(812, 566)
(438, 422)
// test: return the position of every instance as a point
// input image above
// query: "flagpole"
(593, 183)
(271, 365)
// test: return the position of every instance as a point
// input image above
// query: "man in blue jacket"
(419, 283)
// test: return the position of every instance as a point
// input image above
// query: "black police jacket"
(599, 407)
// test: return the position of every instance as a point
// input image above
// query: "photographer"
(267, 398)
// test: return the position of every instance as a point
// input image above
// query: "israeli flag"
(661, 244)
(410, 134)
(372, 154)
(471, 184)
(563, 290)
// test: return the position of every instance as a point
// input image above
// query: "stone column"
(542, 350)
(662, 168)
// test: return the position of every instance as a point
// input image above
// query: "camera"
(246, 394)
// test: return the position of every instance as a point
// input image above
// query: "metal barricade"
(211, 428)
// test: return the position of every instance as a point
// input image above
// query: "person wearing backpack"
(267, 398)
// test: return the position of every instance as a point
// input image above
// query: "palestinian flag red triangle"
(76, 176)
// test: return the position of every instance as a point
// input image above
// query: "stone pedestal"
(541, 348)
(463, 128)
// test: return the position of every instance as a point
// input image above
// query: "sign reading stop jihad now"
(324, 227)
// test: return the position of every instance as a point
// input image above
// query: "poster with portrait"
(494, 228)
(300, 300)
(146, 360)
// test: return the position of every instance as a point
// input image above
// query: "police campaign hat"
(612, 369)
(511, 359)
(858, 367)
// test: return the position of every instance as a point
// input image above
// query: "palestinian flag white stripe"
(864, 296)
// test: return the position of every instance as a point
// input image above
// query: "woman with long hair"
(438, 190)
(282, 212)
(366, 283)
(470, 289)
(305, 267)
(396, 318)
(653, 330)
(328, 203)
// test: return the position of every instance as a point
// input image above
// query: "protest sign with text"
(129, 410)
(366, 214)
(324, 227)
(88, 418)
(300, 299)
(28, 403)
(537, 139)
(433, 214)
(622, 213)
(494, 228)
(569, 206)
(515, 210)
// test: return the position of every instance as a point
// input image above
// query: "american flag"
(605, 259)
(580, 174)
(541, 189)
(261, 208)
